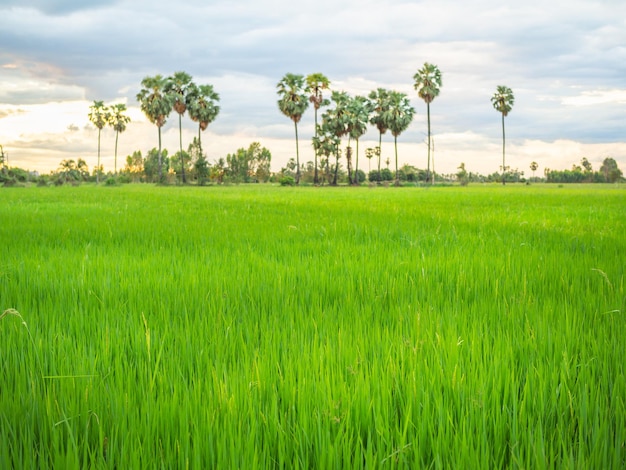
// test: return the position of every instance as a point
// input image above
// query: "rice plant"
(256, 327)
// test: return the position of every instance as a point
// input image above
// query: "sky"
(565, 61)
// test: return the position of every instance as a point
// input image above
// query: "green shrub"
(287, 181)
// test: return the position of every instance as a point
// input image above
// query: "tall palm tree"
(359, 109)
(335, 121)
(156, 104)
(503, 100)
(293, 103)
(379, 104)
(118, 121)
(202, 106)
(99, 116)
(427, 84)
(398, 118)
(316, 83)
(178, 85)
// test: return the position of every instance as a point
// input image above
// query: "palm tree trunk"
(356, 166)
(336, 165)
(503, 143)
(98, 167)
(348, 162)
(297, 155)
(180, 135)
(395, 144)
(380, 154)
(117, 135)
(200, 139)
(315, 178)
(160, 161)
(428, 165)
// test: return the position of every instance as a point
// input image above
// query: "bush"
(287, 181)
(387, 175)
(360, 176)
(374, 176)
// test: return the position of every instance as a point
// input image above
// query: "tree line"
(342, 117)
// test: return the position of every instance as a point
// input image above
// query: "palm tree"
(179, 85)
(99, 116)
(533, 167)
(118, 121)
(315, 84)
(359, 109)
(293, 103)
(156, 105)
(335, 121)
(427, 84)
(202, 106)
(326, 143)
(398, 118)
(503, 100)
(379, 104)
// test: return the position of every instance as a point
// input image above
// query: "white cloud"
(596, 97)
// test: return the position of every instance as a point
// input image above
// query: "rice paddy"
(266, 327)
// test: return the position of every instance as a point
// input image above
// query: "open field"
(243, 327)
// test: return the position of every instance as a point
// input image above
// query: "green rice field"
(268, 327)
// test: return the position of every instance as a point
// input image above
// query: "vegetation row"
(348, 117)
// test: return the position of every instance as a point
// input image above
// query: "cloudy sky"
(564, 59)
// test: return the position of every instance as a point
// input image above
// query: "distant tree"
(2, 157)
(83, 169)
(398, 118)
(68, 172)
(251, 165)
(533, 167)
(359, 109)
(99, 116)
(179, 86)
(157, 105)
(200, 165)
(379, 105)
(134, 166)
(218, 170)
(428, 83)
(293, 103)
(155, 162)
(316, 83)
(588, 169)
(261, 160)
(118, 121)
(369, 154)
(610, 170)
(326, 143)
(202, 106)
(180, 163)
(503, 101)
(461, 175)
(335, 121)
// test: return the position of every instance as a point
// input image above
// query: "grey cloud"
(58, 7)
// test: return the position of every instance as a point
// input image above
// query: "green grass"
(243, 327)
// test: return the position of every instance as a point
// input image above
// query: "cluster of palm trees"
(101, 116)
(160, 95)
(385, 109)
(349, 117)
